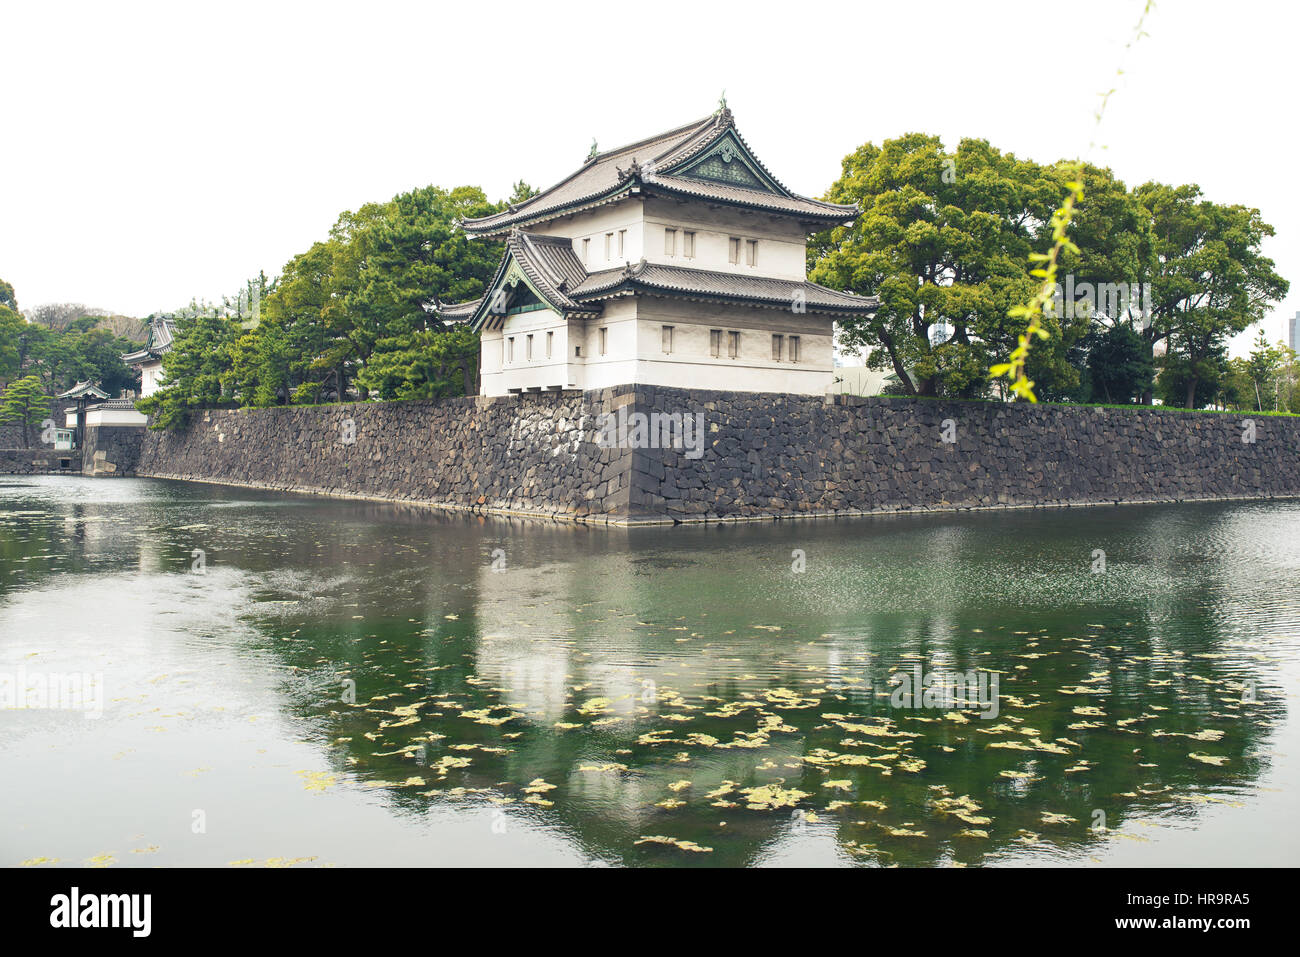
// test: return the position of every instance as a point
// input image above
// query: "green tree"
(24, 401)
(96, 355)
(197, 371)
(299, 346)
(8, 299)
(943, 240)
(1236, 388)
(355, 311)
(410, 255)
(1120, 369)
(1209, 282)
(12, 327)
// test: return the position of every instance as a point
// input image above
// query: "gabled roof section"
(162, 333)
(707, 159)
(709, 285)
(84, 388)
(536, 271)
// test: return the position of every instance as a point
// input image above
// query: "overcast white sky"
(158, 152)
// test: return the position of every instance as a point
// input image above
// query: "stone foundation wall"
(790, 455)
(762, 456)
(510, 454)
(38, 460)
(112, 449)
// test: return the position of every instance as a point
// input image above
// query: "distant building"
(1293, 332)
(678, 260)
(149, 359)
(91, 406)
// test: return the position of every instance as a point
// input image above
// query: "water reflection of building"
(634, 643)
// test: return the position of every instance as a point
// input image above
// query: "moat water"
(292, 681)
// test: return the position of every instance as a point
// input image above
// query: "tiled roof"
(457, 312)
(611, 175)
(558, 276)
(711, 285)
(162, 332)
(84, 388)
(740, 196)
(548, 262)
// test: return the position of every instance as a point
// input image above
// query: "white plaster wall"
(692, 365)
(635, 349)
(500, 375)
(782, 244)
(150, 373)
(618, 365)
(114, 417)
(594, 224)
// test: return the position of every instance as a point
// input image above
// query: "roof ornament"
(591, 154)
(723, 112)
(633, 171)
(630, 271)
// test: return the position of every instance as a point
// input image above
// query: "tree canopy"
(25, 402)
(73, 349)
(353, 314)
(944, 240)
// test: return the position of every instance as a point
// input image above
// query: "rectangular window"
(733, 345)
(715, 343)
(609, 244)
(604, 340)
(668, 340)
(586, 251)
(528, 347)
(778, 345)
(550, 341)
(510, 349)
(688, 244)
(751, 252)
(622, 241)
(577, 352)
(670, 242)
(733, 250)
(794, 348)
